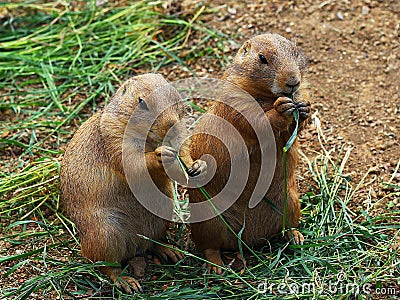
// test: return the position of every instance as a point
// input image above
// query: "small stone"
(365, 10)
(232, 10)
(339, 15)
(288, 30)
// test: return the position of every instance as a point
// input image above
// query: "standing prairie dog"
(271, 69)
(94, 190)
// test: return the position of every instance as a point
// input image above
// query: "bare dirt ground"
(354, 59)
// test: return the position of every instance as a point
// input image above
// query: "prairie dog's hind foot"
(126, 283)
(214, 256)
(138, 266)
(295, 236)
(168, 252)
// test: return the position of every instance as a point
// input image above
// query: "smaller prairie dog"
(94, 190)
(271, 69)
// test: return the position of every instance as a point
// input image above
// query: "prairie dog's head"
(268, 66)
(147, 101)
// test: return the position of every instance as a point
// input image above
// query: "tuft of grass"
(61, 61)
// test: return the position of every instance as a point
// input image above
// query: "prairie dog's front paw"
(304, 108)
(285, 106)
(166, 155)
(199, 167)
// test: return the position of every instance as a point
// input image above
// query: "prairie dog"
(94, 188)
(271, 69)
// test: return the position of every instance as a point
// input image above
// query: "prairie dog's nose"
(293, 82)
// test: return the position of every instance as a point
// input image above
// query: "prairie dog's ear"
(243, 51)
(245, 48)
(126, 87)
(123, 91)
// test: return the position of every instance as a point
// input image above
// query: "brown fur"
(94, 191)
(267, 83)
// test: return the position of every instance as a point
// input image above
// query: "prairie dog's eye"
(143, 104)
(263, 59)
